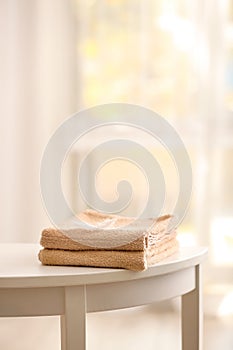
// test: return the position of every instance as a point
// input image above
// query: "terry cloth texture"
(96, 239)
(94, 230)
(131, 260)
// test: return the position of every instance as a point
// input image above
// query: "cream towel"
(131, 260)
(92, 230)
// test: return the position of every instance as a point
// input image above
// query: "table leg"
(192, 316)
(73, 323)
(63, 332)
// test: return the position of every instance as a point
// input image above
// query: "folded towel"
(92, 230)
(101, 240)
(131, 260)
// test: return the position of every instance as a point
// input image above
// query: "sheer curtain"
(38, 91)
(175, 58)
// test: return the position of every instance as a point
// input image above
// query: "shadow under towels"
(101, 240)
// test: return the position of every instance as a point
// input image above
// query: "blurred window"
(175, 57)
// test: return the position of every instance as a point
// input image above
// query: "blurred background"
(175, 57)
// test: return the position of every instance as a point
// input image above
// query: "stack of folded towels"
(101, 240)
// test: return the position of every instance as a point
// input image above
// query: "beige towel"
(96, 231)
(131, 260)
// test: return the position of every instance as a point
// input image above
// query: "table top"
(20, 268)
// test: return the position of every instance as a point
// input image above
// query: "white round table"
(29, 289)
